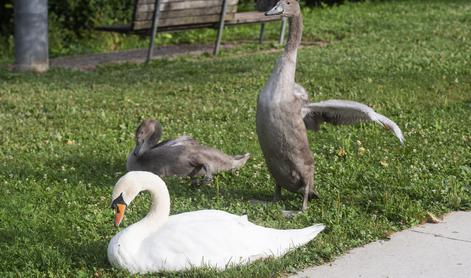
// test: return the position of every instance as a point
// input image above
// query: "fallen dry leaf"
(70, 142)
(341, 152)
(431, 218)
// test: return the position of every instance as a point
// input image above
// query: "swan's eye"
(287, 3)
(119, 200)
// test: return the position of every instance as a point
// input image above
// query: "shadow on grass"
(188, 71)
(72, 169)
(48, 251)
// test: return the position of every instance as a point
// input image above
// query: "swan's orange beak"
(119, 214)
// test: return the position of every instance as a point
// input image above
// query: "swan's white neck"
(160, 209)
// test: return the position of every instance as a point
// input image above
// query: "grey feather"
(280, 128)
(183, 156)
(343, 112)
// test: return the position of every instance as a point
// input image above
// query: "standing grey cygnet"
(284, 113)
(183, 156)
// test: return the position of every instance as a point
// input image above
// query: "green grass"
(65, 136)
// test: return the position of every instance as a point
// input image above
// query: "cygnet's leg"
(313, 194)
(277, 195)
(200, 162)
(192, 175)
(208, 176)
(307, 189)
(197, 166)
(312, 190)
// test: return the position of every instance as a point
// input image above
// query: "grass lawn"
(65, 136)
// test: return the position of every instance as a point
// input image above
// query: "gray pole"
(221, 28)
(31, 41)
(155, 23)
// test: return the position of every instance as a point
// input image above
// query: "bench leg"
(221, 28)
(155, 22)
(262, 31)
(283, 28)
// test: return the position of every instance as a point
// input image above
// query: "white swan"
(209, 238)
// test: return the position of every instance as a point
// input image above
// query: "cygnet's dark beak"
(137, 149)
(277, 10)
(141, 147)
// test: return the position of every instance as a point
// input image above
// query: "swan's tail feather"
(309, 233)
(389, 124)
(294, 238)
(302, 236)
(239, 160)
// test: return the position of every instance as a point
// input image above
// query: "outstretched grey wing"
(344, 112)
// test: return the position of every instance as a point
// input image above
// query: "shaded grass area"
(65, 136)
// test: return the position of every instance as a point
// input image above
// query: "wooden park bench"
(176, 15)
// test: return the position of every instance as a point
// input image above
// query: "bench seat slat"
(251, 17)
(143, 16)
(178, 21)
(240, 18)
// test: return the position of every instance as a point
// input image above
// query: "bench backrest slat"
(181, 12)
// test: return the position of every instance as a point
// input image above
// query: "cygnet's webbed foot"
(208, 179)
(304, 207)
(276, 198)
(204, 181)
(195, 182)
(208, 176)
(313, 195)
(306, 198)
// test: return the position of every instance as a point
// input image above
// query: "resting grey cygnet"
(284, 113)
(183, 156)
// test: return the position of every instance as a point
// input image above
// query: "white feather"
(201, 238)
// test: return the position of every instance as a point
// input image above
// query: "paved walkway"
(91, 61)
(430, 251)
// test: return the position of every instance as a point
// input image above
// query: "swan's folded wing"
(182, 140)
(342, 112)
